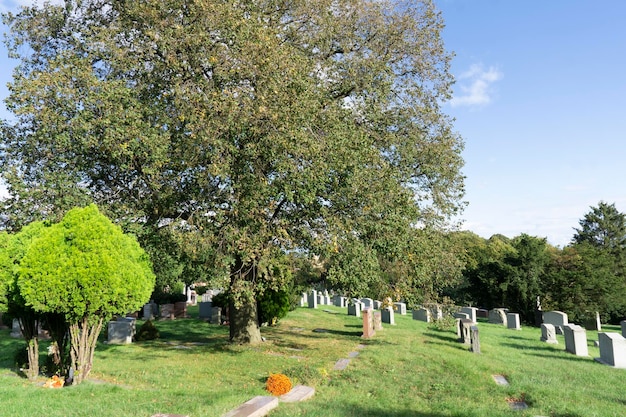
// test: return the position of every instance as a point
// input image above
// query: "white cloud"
(14, 5)
(475, 86)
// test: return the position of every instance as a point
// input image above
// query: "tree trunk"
(30, 329)
(244, 323)
(83, 344)
(243, 317)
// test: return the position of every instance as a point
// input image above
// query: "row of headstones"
(354, 306)
(173, 311)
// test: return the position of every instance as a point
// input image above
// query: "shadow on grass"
(356, 411)
(518, 346)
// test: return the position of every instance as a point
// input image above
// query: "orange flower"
(278, 384)
(54, 382)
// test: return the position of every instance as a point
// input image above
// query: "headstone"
(512, 321)
(337, 301)
(303, 299)
(312, 299)
(377, 304)
(367, 303)
(204, 309)
(354, 309)
(120, 332)
(387, 315)
(623, 325)
(464, 329)
(575, 339)
(378, 320)
(435, 311)
(422, 314)
(216, 315)
(497, 316)
(257, 406)
(321, 299)
(472, 311)
(400, 308)
(147, 312)
(15, 329)
(612, 349)
(459, 315)
(548, 334)
(167, 311)
(482, 313)
(368, 323)
(180, 309)
(298, 393)
(475, 339)
(556, 318)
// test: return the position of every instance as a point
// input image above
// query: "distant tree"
(580, 280)
(526, 272)
(604, 227)
(88, 270)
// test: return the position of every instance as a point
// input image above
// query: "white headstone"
(512, 321)
(556, 318)
(497, 316)
(471, 311)
(575, 339)
(612, 349)
(422, 314)
(548, 334)
(312, 301)
(387, 315)
(400, 308)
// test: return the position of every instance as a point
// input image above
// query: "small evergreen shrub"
(147, 331)
(273, 306)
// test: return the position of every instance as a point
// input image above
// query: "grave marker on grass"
(576, 339)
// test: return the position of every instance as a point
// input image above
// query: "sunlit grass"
(406, 370)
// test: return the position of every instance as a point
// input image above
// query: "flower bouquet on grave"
(54, 382)
(278, 384)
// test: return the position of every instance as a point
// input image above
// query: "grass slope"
(406, 370)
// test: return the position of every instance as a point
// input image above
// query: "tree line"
(524, 273)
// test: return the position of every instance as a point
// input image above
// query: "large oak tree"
(247, 127)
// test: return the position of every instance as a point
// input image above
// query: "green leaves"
(85, 266)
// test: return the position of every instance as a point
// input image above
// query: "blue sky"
(540, 102)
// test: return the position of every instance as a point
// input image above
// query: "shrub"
(278, 384)
(273, 306)
(147, 331)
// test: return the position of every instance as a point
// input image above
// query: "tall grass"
(409, 369)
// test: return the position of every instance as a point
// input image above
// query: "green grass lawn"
(406, 370)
